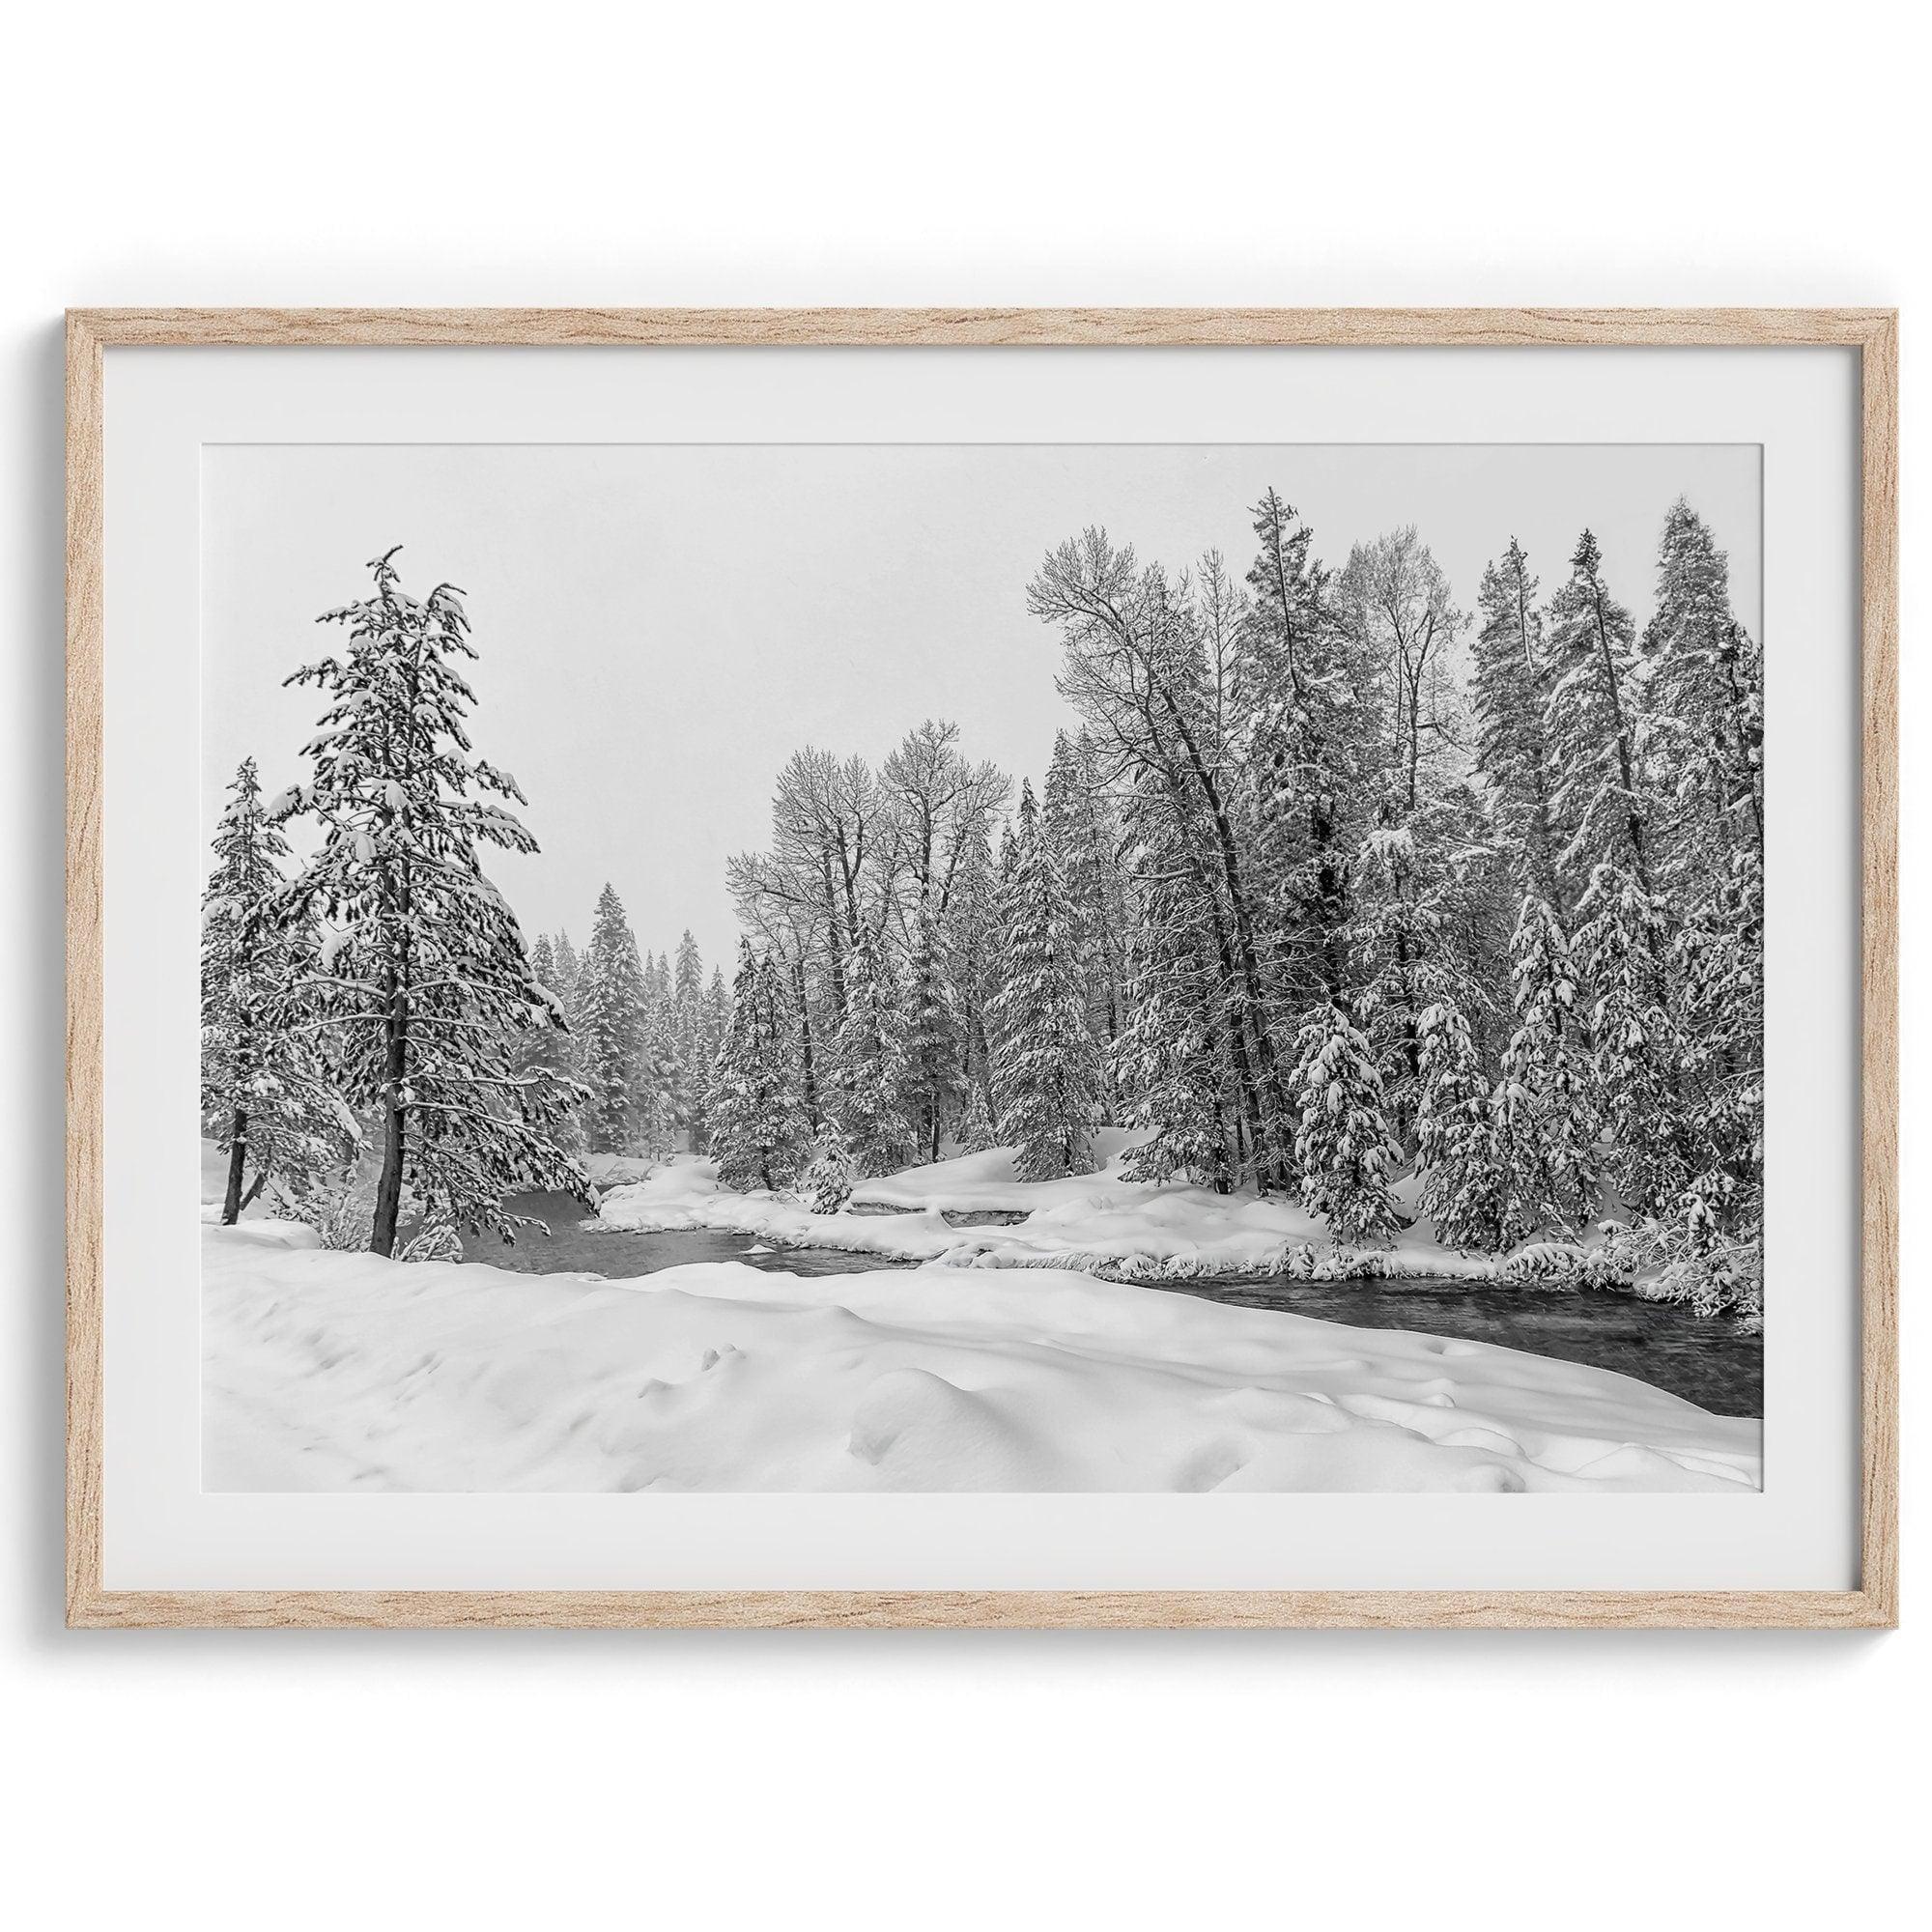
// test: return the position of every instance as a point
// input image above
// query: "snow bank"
(1091, 1222)
(687, 1194)
(986, 1182)
(617, 1170)
(334, 1372)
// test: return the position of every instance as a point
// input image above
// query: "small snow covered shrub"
(1679, 1263)
(435, 1240)
(1724, 1281)
(1560, 1264)
(341, 1210)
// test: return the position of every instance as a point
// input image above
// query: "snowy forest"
(1327, 891)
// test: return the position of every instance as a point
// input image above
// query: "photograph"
(981, 968)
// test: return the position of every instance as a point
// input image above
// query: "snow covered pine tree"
(425, 993)
(754, 1110)
(610, 1013)
(1346, 1156)
(870, 1060)
(828, 1180)
(1045, 1073)
(264, 1096)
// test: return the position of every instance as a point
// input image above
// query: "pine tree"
(1079, 832)
(1413, 865)
(548, 1049)
(831, 1174)
(1511, 685)
(685, 1040)
(932, 1047)
(1168, 1060)
(564, 954)
(610, 1031)
(937, 810)
(757, 1123)
(1591, 730)
(1045, 1079)
(427, 990)
(1718, 956)
(1546, 1120)
(568, 971)
(870, 1053)
(1455, 1152)
(1298, 687)
(1704, 708)
(1637, 1043)
(717, 1021)
(1419, 883)
(977, 1133)
(1704, 755)
(971, 931)
(1346, 1157)
(265, 1097)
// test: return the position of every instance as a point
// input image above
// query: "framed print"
(1031, 968)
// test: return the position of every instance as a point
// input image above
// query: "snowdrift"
(1091, 1222)
(337, 1372)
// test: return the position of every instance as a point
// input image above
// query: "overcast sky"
(661, 626)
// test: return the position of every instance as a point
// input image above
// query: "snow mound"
(983, 1182)
(1091, 1222)
(326, 1371)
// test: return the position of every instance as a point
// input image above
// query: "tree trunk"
(1634, 824)
(1263, 1085)
(389, 1187)
(808, 1070)
(834, 937)
(389, 1184)
(238, 1152)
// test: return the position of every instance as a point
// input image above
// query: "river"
(1708, 1360)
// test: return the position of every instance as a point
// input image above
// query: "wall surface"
(1003, 153)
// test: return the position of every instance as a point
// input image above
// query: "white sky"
(661, 626)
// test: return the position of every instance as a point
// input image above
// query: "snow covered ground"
(1088, 1221)
(330, 1371)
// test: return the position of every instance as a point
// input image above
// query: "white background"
(1033, 153)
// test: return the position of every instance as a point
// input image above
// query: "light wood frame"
(1872, 332)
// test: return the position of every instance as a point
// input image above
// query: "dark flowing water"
(1706, 1361)
(572, 1249)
